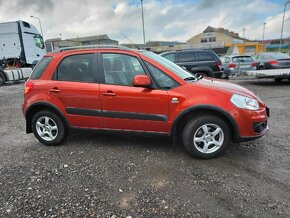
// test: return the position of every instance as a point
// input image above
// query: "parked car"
(122, 89)
(266, 61)
(197, 61)
(237, 64)
(272, 61)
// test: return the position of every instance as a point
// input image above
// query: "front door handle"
(109, 93)
(54, 90)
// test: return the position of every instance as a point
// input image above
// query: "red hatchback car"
(117, 88)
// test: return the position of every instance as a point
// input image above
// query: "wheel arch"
(38, 106)
(193, 111)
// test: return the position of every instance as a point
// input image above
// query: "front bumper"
(252, 124)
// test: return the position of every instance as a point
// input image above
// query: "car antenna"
(130, 41)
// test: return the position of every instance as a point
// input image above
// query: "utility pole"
(144, 41)
(283, 25)
(244, 30)
(264, 25)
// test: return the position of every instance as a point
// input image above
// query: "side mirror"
(141, 81)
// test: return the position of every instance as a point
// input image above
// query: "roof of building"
(91, 38)
(224, 31)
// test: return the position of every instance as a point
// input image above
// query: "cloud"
(169, 20)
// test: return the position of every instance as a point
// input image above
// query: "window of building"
(76, 68)
(202, 40)
(212, 39)
(121, 69)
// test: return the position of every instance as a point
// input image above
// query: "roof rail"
(90, 47)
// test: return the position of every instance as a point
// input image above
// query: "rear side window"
(204, 56)
(186, 57)
(76, 68)
(40, 67)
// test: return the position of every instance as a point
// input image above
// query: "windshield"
(242, 59)
(168, 64)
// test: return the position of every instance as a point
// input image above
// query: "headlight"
(245, 102)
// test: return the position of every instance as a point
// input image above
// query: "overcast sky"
(169, 20)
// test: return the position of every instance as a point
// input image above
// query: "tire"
(194, 129)
(203, 74)
(51, 126)
(261, 68)
(278, 80)
(2, 79)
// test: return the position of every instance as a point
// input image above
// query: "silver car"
(237, 64)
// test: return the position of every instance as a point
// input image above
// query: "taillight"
(219, 64)
(254, 64)
(232, 65)
(28, 86)
(273, 62)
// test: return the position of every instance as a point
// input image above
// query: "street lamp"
(143, 22)
(264, 25)
(283, 25)
(39, 24)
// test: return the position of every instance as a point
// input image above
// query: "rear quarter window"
(204, 56)
(40, 67)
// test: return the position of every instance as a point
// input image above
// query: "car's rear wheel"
(48, 128)
(261, 68)
(206, 136)
(2, 79)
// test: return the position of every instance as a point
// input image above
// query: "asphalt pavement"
(97, 174)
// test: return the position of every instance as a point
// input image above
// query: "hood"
(228, 87)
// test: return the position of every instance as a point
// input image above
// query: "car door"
(187, 59)
(74, 86)
(126, 107)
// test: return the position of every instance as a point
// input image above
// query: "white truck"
(21, 46)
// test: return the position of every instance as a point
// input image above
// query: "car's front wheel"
(48, 128)
(206, 136)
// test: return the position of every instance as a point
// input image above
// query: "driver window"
(38, 41)
(120, 69)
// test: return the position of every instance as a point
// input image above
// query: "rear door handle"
(109, 93)
(54, 90)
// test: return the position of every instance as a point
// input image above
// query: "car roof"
(94, 48)
(186, 50)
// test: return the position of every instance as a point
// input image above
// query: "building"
(224, 41)
(56, 43)
(273, 45)
(216, 37)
